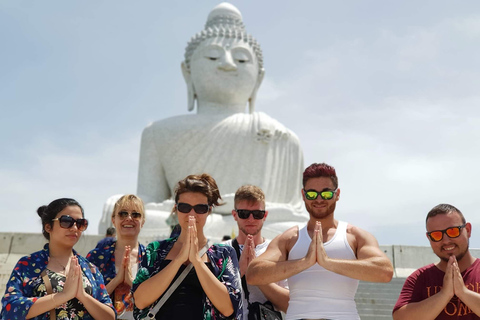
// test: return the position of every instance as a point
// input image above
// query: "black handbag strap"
(236, 246)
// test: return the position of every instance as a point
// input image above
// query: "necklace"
(58, 262)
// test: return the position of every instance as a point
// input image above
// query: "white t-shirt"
(256, 294)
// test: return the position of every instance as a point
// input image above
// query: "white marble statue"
(223, 70)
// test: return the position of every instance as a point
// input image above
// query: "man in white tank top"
(250, 213)
(324, 260)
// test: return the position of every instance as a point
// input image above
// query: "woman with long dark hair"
(56, 282)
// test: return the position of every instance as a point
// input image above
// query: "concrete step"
(375, 301)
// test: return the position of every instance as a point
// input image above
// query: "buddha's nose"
(227, 63)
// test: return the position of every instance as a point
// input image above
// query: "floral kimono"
(25, 286)
(223, 262)
(104, 258)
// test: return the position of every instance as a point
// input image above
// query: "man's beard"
(321, 215)
(459, 256)
(253, 234)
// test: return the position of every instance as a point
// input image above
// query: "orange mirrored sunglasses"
(452, 232)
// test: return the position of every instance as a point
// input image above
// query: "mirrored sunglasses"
(244, 214)
(67, 222)
(124, 214)
(186, 208)
(313, 194)
(452, 232)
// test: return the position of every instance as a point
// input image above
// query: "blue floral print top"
(104, 258)
(223, 260)
(22, 288)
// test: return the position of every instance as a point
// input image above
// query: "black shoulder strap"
(244, 281)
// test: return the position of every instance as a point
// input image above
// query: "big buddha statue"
(223, 70)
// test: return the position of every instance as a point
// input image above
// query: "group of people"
(307, 273)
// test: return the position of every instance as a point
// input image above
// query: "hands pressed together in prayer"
(248, 254)
(452, 281)
(73, 287)
(189, 250)
(316, 251)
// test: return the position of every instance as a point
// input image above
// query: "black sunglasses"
(244, 214)
(135, 215)
(67, 222)
(198, 208)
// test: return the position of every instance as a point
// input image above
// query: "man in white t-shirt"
(250, 214)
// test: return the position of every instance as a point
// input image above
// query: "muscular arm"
(371, 264)
(273, 266)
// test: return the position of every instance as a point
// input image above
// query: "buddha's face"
(224, 70)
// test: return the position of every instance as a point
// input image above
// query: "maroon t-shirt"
(428, 280)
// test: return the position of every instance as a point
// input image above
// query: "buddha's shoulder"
(171, 122)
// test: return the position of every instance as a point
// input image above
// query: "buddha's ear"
(190, 89)
(253, 96)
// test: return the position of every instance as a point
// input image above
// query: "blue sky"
(387, 92)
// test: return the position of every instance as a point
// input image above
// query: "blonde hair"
(129, 201)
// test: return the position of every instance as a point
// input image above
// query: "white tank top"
(316, 292)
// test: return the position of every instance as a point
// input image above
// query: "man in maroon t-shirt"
(449, 289)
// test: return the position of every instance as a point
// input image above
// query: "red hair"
(317, 170)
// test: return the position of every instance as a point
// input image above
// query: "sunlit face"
(65, 237)
(224, 70)
(192, 198)
(128, 225)
(250, 225)
(449, 246)
(320, 208)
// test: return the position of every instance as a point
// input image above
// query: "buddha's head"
(223, 64)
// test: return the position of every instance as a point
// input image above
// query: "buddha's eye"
(213, 54)
(241, 56)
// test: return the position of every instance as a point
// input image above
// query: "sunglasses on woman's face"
(67, 222)
(198, 208)
(452, 232)
(124, 214)
(313, 194)
(244, 214)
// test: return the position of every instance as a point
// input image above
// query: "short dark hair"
(110, 232)
(444, 208)
(316, 170)
(48, 213)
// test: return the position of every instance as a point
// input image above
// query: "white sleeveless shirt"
(316, 292)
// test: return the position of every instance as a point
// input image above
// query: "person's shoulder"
(429, 268)
(160, 244)
(359, 233)
(222, 249)
(287, 239)
(105, 242)
(227, 242)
